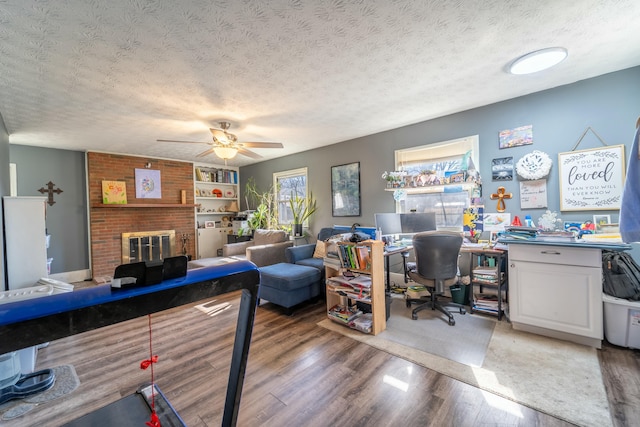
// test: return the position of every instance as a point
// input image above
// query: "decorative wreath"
(535, 165)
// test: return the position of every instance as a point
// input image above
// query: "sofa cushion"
(286, 277)
(312, 262)
(265, 237)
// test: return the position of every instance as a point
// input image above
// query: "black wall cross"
(50, 190)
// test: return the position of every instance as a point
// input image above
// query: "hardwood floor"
(298, 374)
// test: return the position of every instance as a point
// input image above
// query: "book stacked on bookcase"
(355, 257)
(343, 313)
(487, 275)
(355, 287)
(362, 323)
(486, 302)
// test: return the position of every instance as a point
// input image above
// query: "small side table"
(299, 240)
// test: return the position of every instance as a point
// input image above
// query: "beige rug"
(556, 377)
(66, 381)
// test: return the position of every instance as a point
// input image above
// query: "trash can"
(366, 307)
(459, 293)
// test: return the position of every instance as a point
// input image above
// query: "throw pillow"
(321, 249)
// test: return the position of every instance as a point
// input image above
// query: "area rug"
(66, 381)
(556, 377)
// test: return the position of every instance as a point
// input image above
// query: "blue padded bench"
(288, 284)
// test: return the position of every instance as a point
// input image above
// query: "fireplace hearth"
(148, 245)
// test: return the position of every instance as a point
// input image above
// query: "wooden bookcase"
(374, 269)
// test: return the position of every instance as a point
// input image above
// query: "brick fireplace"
(108, 222)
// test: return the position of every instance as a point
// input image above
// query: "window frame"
(447, 152)
(291, 173)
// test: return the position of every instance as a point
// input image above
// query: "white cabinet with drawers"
(556, 291)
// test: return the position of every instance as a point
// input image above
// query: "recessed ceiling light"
(539, 60)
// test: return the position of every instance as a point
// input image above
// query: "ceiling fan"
(225, 144)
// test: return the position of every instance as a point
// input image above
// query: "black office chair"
(436, 266)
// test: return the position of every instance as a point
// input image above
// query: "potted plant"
(263, 207)
(301, 208)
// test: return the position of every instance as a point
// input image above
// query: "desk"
(405, 249)
(35, 321)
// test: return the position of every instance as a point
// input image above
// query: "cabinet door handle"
(550, 252)
(513, 265)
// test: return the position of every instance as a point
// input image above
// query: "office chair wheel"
(452, 322)
(408, 302)
(414, 316)
(463, 311)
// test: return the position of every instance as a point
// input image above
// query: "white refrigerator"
(25, 239)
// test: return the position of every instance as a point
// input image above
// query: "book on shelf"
(223, 176)
(344, 314)
(362, 323)
(353, 280)
(355, 257)
(485, 270)
(364, 259)
(357, 287)
(486, 301)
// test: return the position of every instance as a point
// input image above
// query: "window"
(440, 160)
(286, 184)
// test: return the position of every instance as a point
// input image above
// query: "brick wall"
(108, 223)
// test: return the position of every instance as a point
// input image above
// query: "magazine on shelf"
(360, 281)
(493, 271)
(343, 313)
(362, 323)
(486, 301)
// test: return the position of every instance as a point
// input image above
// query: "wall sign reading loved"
(591, 179)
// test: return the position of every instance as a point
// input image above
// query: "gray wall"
(610, 104)
(4, 191)
(67, 218)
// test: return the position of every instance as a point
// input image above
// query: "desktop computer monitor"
(416, 222)
(388, 223)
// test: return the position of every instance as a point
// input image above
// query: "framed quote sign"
(591, 179)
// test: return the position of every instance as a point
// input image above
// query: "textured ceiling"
(117, 75)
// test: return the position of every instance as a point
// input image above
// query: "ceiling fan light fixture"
(225, 152)
(538, 60)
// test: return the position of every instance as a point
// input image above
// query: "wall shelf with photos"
(466, 186)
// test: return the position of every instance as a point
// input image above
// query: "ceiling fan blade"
(204, 153)
(248, 153)
(262, 144)
(185, 142)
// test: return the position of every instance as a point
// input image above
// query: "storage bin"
(459, 294)
(621, 321)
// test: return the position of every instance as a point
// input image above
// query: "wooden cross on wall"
(501, 195)
(50, 190)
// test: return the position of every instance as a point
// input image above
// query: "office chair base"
(434, 305)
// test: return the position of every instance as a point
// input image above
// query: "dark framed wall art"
(345, 189)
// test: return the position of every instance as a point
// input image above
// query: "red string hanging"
(154, 421)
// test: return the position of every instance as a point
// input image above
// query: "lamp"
(539, 60)
(225, 152)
